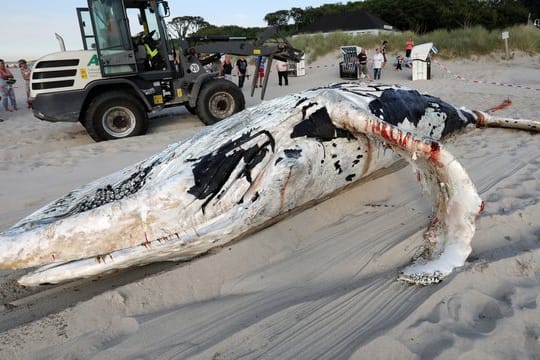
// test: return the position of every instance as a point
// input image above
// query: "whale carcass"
(248, 171)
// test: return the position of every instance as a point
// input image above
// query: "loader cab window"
(142, 22)
(110, 24)
(111, 30)
(85, 26)
(146, 35)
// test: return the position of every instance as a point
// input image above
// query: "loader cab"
(129, 36)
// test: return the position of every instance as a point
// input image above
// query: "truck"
(130, 67)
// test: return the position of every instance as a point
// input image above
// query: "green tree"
(298, 15)
(533, 6)
(185, 25)
(461, 13)
(277, 18)
(312, 14)
(508, 12)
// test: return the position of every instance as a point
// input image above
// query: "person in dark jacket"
(362, 65)
(241, 67)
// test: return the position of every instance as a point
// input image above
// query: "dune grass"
(451, 43)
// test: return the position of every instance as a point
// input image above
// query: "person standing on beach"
(399, 62)
(362, 65)
(6, 87)
(25, 73)
(282, 69)
(383, 52)
(408, 47)
(241, 66)
(227, 67)
(261, 69)
(378, 60)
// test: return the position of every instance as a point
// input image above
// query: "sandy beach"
(320, 284)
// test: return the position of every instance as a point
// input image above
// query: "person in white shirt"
(378, 60)
(283, 72)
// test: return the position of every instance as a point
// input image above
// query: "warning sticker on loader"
(158, 99)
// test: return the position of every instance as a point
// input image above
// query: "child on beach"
(399, 62)
(261, 69)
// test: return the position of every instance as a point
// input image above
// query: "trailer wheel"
(218, 99)
(115, 115)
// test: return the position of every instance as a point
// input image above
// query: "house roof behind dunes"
(348, 21)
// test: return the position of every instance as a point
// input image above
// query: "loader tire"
(115, 115)
(219, 99)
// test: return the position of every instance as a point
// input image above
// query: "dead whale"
(250, 170)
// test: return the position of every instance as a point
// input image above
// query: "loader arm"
(267, 44)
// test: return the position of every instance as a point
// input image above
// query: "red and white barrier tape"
(459, 77)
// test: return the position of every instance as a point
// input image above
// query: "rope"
(460, 77)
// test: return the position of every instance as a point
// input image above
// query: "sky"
(28, 26)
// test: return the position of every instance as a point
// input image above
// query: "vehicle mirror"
(163, 9)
